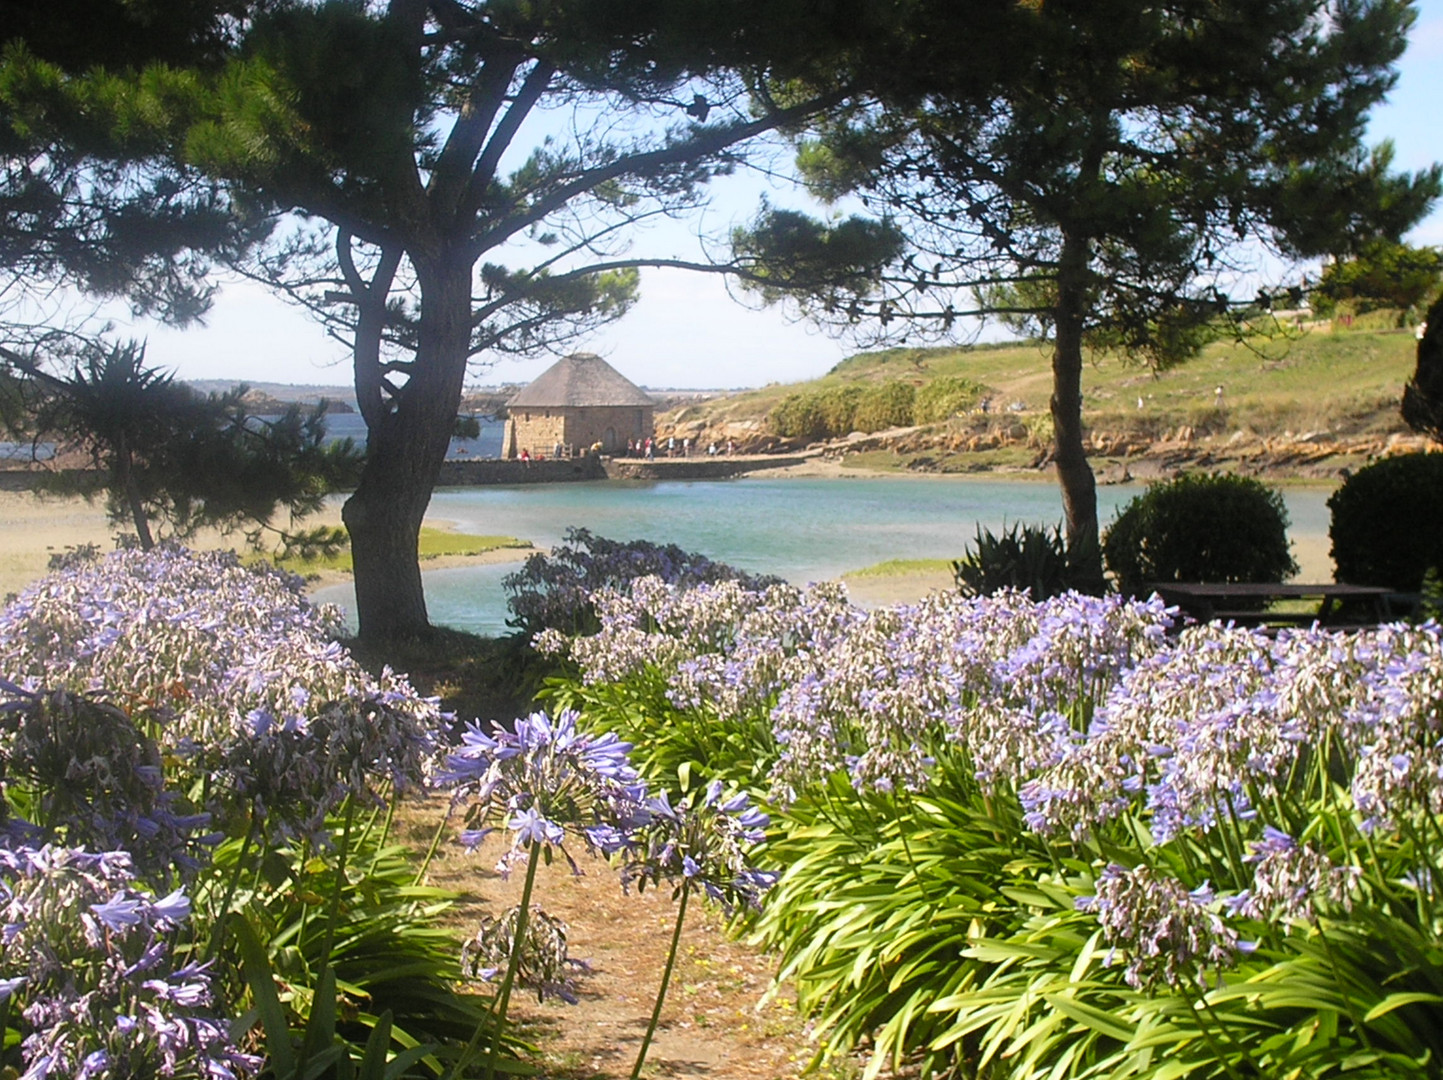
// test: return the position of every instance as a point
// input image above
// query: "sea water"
(339, 425)
(486, 445)
(801, 529)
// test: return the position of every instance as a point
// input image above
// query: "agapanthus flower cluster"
(875, 693)
(1292, 880)
(237, 675)
(1088, 711)
(1168, 729)
(1006, 680)
(546, 782)
(85, 961)
(706, 841)
(1164, 932)
(94, 779)
(556, 590)
(722, 647)
(543, 965)
(1223, 722)
(1394, 725)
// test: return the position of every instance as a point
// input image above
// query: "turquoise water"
(801, 529)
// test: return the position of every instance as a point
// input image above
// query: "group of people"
(647, 448)
(673, 447)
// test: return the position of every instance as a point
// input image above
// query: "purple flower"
(531, 828)
(706, 840)
(545, 778)
(120, 912)
(472, 838)
(93, 1004)
(172, 909)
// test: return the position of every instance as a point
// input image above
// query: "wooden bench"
(1246, 603)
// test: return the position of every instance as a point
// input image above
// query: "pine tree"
(167, 456)
(458, 179)
(1131, 161)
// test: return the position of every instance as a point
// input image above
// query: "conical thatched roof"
(579, 380)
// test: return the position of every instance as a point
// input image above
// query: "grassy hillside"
(1342, 383)
(1315, 384)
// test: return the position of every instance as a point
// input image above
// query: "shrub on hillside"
(798, 416)
(1387, 526)
(885, 406)
(943, 398)
(1217, 528)
(838, 409)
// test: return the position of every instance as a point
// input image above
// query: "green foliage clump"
(1423, 393)
(798, 416)
(1383, 275)
(885, 406)
(839, 410)
(941, 399)
(1213, 528)
(870, 949)
(386, 944)
(1023, 557)
(1387, 526)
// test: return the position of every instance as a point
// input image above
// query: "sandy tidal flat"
(33, 528)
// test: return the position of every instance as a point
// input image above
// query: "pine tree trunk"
(405, 449)
(125, 481)
(1079, 486)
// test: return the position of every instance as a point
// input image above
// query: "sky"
(686, 331)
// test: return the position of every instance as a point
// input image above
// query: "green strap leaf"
(1103, 1023)
(1397, 1001)
(262, 985)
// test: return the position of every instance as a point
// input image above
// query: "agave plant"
(1030, 557)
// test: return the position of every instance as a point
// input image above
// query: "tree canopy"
(1382, 274)
(1131, 167)
(455, 178)
(88, 205)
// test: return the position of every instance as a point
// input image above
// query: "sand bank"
(35, 527)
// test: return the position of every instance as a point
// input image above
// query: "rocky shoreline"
(1018, 446)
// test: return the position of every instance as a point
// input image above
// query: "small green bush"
(1024, 557)
(838, 408)
(1387, 526)
(798, 416)
(1212, 528)
(943, 398)
(885, 406)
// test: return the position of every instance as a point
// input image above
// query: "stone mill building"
(578, 403)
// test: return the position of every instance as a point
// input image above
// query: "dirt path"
(718, 1021)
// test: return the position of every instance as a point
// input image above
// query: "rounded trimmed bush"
(1199, 527)
(1387, 526)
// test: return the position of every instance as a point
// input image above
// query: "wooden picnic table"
(1245, 603)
